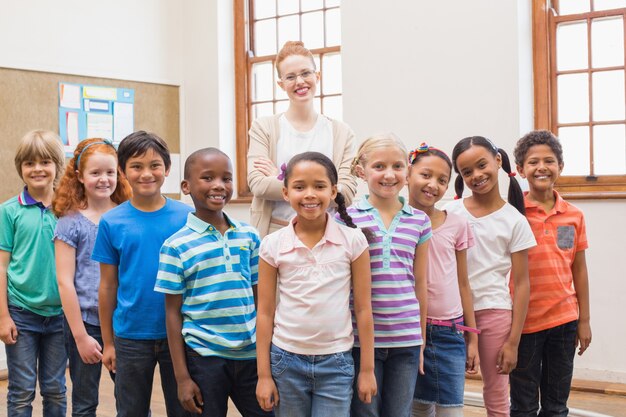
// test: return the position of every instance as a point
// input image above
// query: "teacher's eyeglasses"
(306, 75)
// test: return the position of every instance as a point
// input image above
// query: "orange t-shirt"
(559, 234)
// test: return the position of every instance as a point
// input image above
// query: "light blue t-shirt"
(131, 239)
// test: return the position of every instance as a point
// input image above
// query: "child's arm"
(581, 285)
(362, 291)
(189, 394)
(420, 268)
(471, 366)
(507, 357)
(65, 256)
(8, 331)
(266, 392)
(107, 302)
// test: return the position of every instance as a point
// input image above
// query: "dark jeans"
(85, 377)
(135, 363)
(396, 371)
(545, 363)
(38, 356)
(220, 378)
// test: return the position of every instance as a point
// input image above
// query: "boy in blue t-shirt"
(208, 271)
(31, 320)
(132, 315)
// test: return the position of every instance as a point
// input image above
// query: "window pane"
(288, 6)
(333, 107)
(607, 42)
(288, 30)
(317, 105)
(609, 150)
(313, 30)
(574, 6)
(608, 95)
(262, 82)
(573, 98)
(262, 110)
(575, 141)
(571, 46)
(333, 27)
(281, 106)
(264, 8)
(311, 4)
(331, 74)
(608, 4)
(265, 37)
(333, 3)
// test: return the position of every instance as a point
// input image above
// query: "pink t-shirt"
(313, 312)
(444, 299)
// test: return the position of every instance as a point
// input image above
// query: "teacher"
(274, 140)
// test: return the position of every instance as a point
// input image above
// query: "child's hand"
(583, 336)
(89, 349)
(8, 331)
(472, 363)
(190, 396)
(366, 386)
(266, 393)
(266, 166)
(421, 366)
(507, 358)
(108, 358)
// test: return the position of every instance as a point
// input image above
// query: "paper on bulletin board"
(172, 181)
(102, 93)
(100, 126)
(122, 121)
(72, 131)
(69, 96)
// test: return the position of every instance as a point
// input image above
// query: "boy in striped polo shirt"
(558, 310)
(208, 271)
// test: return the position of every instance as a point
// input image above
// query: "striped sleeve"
(170, 277)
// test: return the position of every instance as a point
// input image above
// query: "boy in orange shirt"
(558, 311)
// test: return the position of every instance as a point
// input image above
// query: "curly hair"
(70, 195)
(537, 137)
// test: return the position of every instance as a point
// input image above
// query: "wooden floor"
(608, 404)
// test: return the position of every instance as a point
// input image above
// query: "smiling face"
(541, 168)
(146, 173)
(38, 174)
(479, 169)
(99, 176)
(309, 190)
(429, 177)
(210, 184)
(385, 171)
(298, 78)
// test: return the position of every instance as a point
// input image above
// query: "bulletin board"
(30, 100)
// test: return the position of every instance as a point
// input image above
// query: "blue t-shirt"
(131, 239)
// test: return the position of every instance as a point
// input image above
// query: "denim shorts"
(443, 382)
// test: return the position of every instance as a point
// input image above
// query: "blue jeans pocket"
(279, 360)
(345, 363)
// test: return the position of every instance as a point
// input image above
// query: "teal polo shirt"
(26, 231)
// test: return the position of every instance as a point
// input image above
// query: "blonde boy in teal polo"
(31, 320)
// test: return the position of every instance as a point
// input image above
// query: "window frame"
(544, 22)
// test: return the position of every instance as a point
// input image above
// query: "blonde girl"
(90, 186)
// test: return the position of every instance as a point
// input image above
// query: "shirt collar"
(200, 226)
(560, 205)
(26, 199)
(290, 240)
(364, 204)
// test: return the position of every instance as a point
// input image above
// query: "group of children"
(377, 309)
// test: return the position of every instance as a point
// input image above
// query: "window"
(261, 29)
(579, 74)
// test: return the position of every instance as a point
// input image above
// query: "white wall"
(425, 70)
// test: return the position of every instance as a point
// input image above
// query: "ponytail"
(515, 196)
(343, 214)
(458, 186)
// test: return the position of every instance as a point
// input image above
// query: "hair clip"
(420, 149)
(283, 172)
(456, 197)
(512, 174)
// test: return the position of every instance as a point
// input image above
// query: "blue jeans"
(312, 385)
(396, 370)
(85, 377)
(135, 363)
(443, 382)
(220, 378)
(38, 354)
(545, 363)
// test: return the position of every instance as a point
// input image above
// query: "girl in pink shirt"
(452, 340)
(304, 340)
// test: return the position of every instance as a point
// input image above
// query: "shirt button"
(228, 258)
